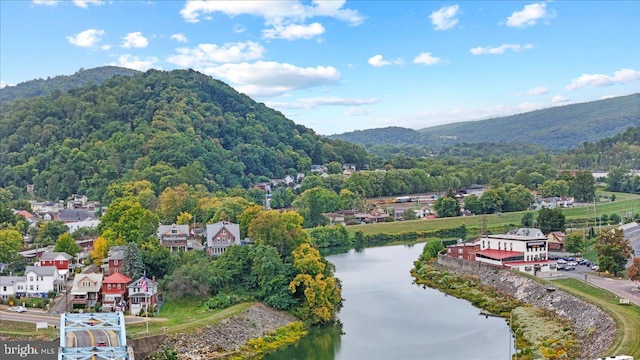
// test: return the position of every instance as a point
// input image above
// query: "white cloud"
(105, 47)
(379, 61)
(273, 12)
(46, 2)
(179, 37)
(445, 18)
(309, 103)
(559, 99)
(427, 59)
(500, 49)
(529, 15)
(357, 112)
(135, 40)
(536, 91)
(266, 79)
(291, 32)
(85, 3)
(3, 84)
(205, 55)
(136, 63)
(600, 80)
(238, 28)
(87, 38)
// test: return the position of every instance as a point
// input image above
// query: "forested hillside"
(41, 87)
(561, 127)
(558, 128)
(167, 127)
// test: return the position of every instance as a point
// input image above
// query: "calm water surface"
(386, 316)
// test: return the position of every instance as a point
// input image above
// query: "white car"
(19, 309)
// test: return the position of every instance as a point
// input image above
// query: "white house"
(88, 223)
(524, 250)
(39, 280)
(139, 299)
(9, 286)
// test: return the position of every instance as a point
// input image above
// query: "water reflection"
(386, 316)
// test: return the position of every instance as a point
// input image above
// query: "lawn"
(627, 317)
(23, 330)
(182, 316)
(624, 202)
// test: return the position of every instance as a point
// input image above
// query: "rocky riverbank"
(218, 340)
(594, 327)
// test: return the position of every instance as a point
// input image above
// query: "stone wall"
(595, 329)
(143, 347)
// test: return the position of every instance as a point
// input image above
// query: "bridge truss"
(70, 323)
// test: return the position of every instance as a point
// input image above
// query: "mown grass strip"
(627, 317)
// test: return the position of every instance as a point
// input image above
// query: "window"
(4, 288)
(30, 287)
(223, 231)
(86, 283)
(118, 286)
(115, 262)
(108, 286)
(174, 231)
(511, 245)
(30, 278)
(37, 287)
(459, 251)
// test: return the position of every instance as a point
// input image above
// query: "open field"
(627, 317)
(624, 202)
(182, 316)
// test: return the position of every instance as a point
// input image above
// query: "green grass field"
(183, 315)
(627, 317)
(23, 330)
(623, 202)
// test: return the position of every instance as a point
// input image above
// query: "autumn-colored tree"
(67, 244)
(613, 251)
(320, 292)
(175, 200)
(280, 230)
(633, 271)
(100, 250)
(247, 216)
(184, 218)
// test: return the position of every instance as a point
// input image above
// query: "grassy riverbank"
(627, 317)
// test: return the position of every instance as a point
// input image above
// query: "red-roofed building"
(114, 292)
(524, 250)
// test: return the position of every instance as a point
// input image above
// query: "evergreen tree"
(133, 264)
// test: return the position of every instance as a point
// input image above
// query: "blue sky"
(338, 66)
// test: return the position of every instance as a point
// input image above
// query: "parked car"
(19, 309)
(595, 267)
(569, 267)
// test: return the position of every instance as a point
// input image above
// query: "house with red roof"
(114, 292)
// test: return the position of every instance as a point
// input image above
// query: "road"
(620, 287)
(90, 338)
(53, 320)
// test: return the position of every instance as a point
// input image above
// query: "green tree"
(574, 243)
(67, 244)
(431, 250)
(518, 198)
(157, 259)
(314, 202)
(132, 264)
(583, 187)
(327, 236)
(49, 231)
(282, 197)
(554, 188)
(613, 251)
(311, 181)
(126, 220)
(10, 245)
(473, 204)
(551, 220)
(491, 201)
(446, 206)
(409, 214)
(615, 219)
(527, 219)
(283, 231)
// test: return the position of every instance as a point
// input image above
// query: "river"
(385, 316)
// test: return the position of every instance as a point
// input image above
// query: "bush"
(224, 300)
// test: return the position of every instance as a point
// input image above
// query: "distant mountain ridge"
(557, 128)
(42, 87)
